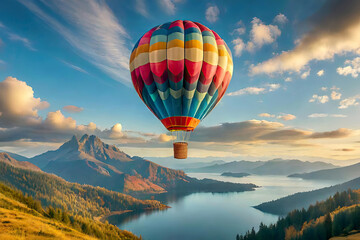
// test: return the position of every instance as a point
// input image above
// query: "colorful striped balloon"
(181, 70)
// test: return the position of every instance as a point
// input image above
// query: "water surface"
(213, 216)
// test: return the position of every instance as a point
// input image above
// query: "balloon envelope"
(181, 70)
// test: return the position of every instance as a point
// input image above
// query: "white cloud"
(283, 116)
(352, 69)
(339, 115)
(335, 30)
(77, 68)
(247, 91)
(347, 102)
(273, 86)
(262, 34)
(212, 13)
(72, 109)
(318, 115)
(166, 138)
(261, 130)
(335, 95)
(322, 115)
(140, 7)
(305, 74)
(16, 38)
(239, 46)
(26, 42)
(168, 5)
(116, 131)
(288, 79)
(92, 29)
(57, 120)
(324, 89)
(269, 87)
(286, 117)
(320, 73)
(240, 30)
(280, 19)
(334, 88)
(18, 104)
(268, 115)
(319, 99)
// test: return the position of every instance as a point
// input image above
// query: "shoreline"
(102, 218)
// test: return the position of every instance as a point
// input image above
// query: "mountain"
(272, 167)
(22, 217)
(90, 161)
(235, 166)
(341, 173)
(300, 200)
(6, 158)
(78, 159)
(286, 167)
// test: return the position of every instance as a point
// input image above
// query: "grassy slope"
(355, 236)
(17, 221)
(20, 221)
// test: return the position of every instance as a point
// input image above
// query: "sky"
(294, 93)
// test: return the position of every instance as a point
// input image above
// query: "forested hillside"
(22, 217)
(338, 215)
(77, 199)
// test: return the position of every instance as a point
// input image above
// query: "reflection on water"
(212, 215)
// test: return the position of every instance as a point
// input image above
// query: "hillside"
(90, 161)
(78, 199)
(271, 167)
(341, 173)
(6, 158)
(300, 200)
(337, 215)
(23, 218)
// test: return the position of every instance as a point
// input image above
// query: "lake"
(213, 216)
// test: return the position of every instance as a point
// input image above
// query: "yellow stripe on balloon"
(157, 56)
(194, 44)
(175, 53)
(157, 46)
(194, 54)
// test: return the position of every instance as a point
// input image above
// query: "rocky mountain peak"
(73, 144)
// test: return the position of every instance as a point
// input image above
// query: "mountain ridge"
(344, 173)
(88, 160)
(271, 167)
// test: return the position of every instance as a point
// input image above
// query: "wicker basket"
(180, 150)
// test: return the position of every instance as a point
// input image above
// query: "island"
(231, 174)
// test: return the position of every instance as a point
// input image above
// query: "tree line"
(337, 215)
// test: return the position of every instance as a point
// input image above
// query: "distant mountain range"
(87, 160)
(341, 173)
(301, 200)
(272, 167)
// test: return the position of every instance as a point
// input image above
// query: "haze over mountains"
(341, 173)
(272, 167)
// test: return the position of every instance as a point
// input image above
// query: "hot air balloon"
(181, 70)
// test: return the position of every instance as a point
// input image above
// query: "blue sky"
(295, 76)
